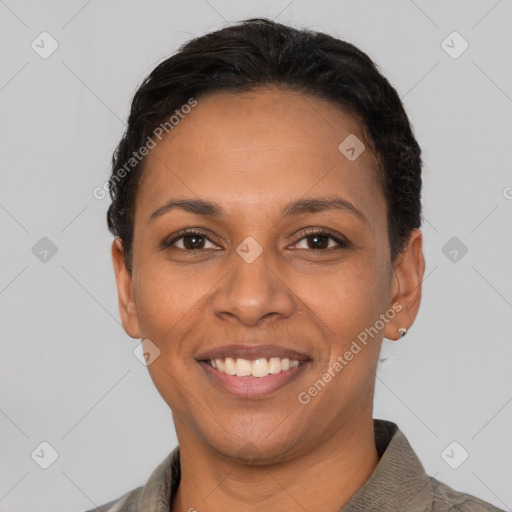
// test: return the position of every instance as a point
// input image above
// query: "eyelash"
(184, 233)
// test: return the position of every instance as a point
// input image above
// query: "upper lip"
(251, 352)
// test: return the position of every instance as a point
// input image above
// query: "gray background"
(68, 375)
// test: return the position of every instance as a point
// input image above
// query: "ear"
(127, 308)
(406, 287)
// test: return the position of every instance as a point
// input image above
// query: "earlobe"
(126, 303)
(406, 289)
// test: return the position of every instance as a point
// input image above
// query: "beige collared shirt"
(398, 483)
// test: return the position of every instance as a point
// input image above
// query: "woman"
(266, 208)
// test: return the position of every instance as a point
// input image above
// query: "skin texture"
(253, 153)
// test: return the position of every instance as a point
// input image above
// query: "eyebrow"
(298, 207)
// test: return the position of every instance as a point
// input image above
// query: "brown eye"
(318, 241)
(321, 241)
(188, 241)
(192, 242)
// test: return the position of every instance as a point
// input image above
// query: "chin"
(257, 449)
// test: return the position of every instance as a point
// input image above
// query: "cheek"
(349, 307)
(167, 306)
(166, 300)
(349, 300)
(342, 301)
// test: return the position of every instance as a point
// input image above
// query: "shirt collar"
(399, 481)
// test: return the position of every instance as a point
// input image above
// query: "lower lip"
(253, 387)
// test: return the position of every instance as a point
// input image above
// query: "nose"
(253, 292)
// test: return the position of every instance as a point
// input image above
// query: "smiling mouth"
(260, 367)
(252, 379)
(252, 370)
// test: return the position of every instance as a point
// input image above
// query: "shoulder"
(126, 503)
(446, 499)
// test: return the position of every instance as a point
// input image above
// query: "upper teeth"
(257, 368)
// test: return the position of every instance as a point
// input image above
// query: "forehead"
(257, 149)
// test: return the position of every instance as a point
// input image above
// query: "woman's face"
(256, 274)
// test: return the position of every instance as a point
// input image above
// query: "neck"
(325, 478)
